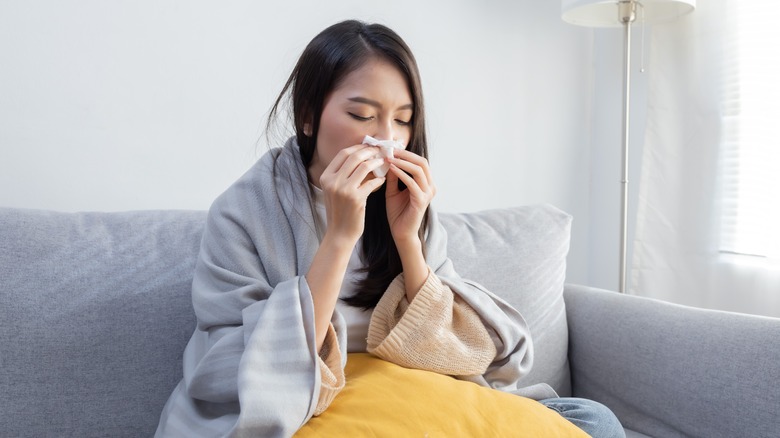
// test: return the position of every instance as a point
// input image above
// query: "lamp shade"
(604, 13)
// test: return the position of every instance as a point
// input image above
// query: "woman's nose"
(385, 131)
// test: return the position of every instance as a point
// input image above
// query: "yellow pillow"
(382, 399)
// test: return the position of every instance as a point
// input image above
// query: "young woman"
(311, 255)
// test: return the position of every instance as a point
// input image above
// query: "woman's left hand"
(406, 209)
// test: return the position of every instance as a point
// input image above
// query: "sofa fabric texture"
(684, 372)
(96, 309)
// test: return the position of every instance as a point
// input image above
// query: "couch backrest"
(520, 254)
(95, 308)
(95, 311)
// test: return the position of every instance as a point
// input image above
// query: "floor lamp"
(623, 13)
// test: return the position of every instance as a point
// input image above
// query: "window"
(750, 159)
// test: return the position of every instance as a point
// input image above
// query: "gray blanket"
(250, 368)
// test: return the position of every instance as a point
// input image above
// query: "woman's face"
(372, 100)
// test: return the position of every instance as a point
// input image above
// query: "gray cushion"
(520, 254)
(95, 311)
(95, 308)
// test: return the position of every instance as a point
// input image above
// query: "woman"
(313, 254)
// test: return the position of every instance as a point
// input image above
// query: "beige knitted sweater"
(436, 332)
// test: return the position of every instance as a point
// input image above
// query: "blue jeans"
(592, 417)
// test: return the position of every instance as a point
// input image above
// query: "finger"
(405, 155)
(417, 173)
(357, 158)
(392, 184)
(345, 154)
(407, 179)
(364, 168)
(333, 175)
(371, 185)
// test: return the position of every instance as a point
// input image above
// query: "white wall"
(157, 104)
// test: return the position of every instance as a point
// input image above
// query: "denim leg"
(592, 417)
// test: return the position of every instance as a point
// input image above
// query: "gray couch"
(95, 312)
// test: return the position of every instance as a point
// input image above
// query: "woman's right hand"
(346, 185)
(346, 190)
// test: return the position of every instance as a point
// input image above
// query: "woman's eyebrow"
(376, 104)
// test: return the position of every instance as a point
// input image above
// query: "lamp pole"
(601, 13)
(627, 15)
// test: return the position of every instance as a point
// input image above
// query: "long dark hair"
(337, 51)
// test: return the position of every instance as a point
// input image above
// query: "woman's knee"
(591, 416)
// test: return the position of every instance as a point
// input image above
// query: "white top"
(356, 318)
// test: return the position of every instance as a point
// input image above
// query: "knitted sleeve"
(437, 331)
(332, 373)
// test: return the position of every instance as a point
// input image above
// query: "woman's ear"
(307, 129)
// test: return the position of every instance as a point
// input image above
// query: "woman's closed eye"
(361, 118)
(369, 118)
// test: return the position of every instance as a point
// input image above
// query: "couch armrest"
(669, 370)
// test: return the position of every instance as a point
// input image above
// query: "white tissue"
(385, 151)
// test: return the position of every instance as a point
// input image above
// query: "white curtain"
(686, 205)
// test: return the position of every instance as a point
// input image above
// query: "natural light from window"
(751, 158)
